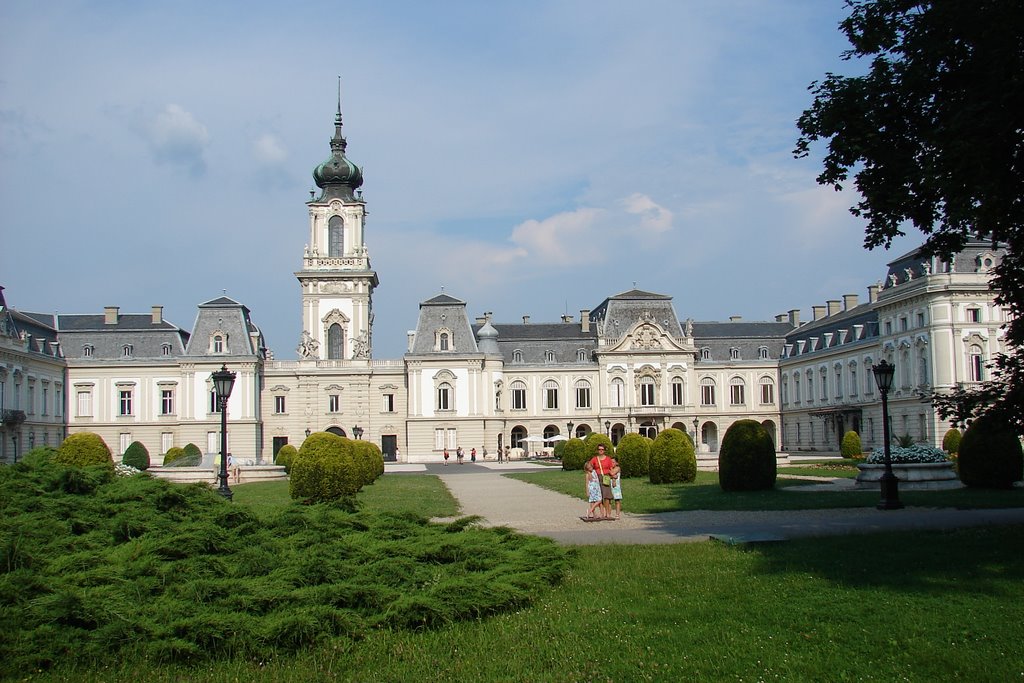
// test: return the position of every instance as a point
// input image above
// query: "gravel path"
(500, 501)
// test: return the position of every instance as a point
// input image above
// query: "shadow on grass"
(986, 560)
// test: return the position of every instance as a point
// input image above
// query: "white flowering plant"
(122, 470)
(916, 454)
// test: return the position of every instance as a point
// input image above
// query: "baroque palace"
(629, 364)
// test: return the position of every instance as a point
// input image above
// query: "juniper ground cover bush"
(100, 568)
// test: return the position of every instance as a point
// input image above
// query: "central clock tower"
(336, 278)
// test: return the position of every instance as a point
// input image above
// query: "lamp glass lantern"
(223, 383)
(569, 425)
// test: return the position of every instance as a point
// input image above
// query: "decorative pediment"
(647, 336)
(335, 316)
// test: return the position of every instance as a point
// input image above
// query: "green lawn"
(640, 496)
(423, 495)
(908, 607)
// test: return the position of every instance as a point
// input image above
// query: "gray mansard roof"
(444, 313)
(719, 338)
(533, 341)
(226, 316)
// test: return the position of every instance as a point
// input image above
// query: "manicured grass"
(935, 606)
(399, 493)
(846, 467)
(640, 496)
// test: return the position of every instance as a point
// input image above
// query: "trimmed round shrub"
(634, 454)
(369, 461)
(557, 450)
(193, 451)
(136, 455)
(746, 458)
(173, 455)
(574, 454)
(324, 469)
(951, 441)
(672, 458)
(285, 455)
(850, 446)
(990, 455)
(83, 450)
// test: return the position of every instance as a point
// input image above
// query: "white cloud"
(653, 217)
(176, 138)
(268, 150)
(565, 238)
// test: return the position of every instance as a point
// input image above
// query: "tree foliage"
(931, 134)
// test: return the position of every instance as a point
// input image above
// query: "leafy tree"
(932, 136)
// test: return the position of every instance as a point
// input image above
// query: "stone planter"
(912, 476)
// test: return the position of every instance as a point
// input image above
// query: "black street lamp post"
(884, 372)
(569, 426)
(608, 428)
(223, 383)
(696, 423)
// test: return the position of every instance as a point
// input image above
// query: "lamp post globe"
(223, 383)
(884, 373)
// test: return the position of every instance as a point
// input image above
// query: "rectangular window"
(888, 327)
(443, 398)
(167, 401)
(767, 394)
(551, 398)
(46, 399)
(647, 394)
(31, 400)
(438, 439)
(452, 441)
(582, 397)
(278, 442)
(920, 319)
(125, 405)
(839, 383)
(903, 324)
(211, 443)
(166, 441)
(125, 441)
(58, 405)
(974, 315)
(677, 393)
(279, 405)
(707, 395)
(84, 404)
(736, 394)
(333, 403)
(389, 403)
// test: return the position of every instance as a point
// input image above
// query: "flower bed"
(917, 467)
(916, 454)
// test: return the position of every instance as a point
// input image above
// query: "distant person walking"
(472, 455)
(459, 455)
(446, 457)
(500, 456)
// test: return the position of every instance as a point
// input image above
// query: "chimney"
(158, 315)
(566, 318)
(817, 312)
(850, 301)
(526, 320)
(481, 319)
(794, 317)
(873, 293)
(833, 306)
(735, 318)
(411, 339)
(110, 315)
(780, 318)
(584, 320)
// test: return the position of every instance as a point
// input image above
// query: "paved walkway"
(500, 501)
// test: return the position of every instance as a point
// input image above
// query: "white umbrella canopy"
(558, 437)
(534, 439)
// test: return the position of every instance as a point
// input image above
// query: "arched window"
(707, 392)
(218, 343)
(977, 363)
(582, 394)
(762, 353)
(678, 391)
(922, 366)
(517, 356)
(734, 353)
(518, 390)
(853, 378)
(796, 388)
(549, 356)
(335, 237)
(616, 393)
(581, 356)
(551, 395)
(335, 342)
(442, 341)
(705, 353)
(647, 391)
(444, 396)
(767, 390)
(737, 392)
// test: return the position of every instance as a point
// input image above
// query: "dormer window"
(705, 353)
(517, 356)
(444, 340)
(734, 353)
(549, 356)
(218, 342)
(165, 349)
(581, 356)
(762, 353)
(87, 350)
(127, 350)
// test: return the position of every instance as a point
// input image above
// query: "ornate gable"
(647, 336)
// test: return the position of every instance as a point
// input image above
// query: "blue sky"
(530, 157)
